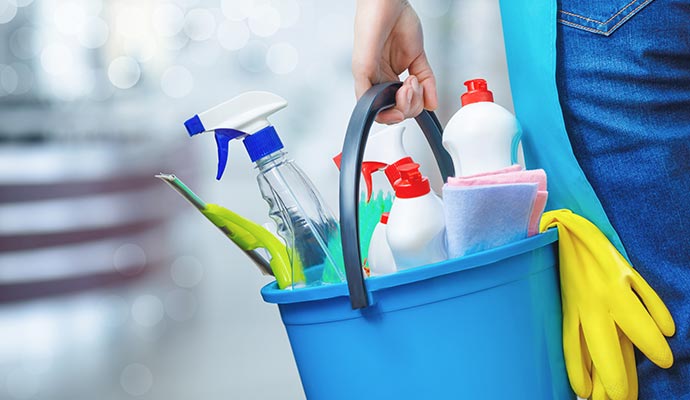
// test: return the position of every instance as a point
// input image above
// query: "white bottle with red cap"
(380, 259)
(416, 224)
(482, 136)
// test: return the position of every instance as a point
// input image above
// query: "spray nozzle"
(241, 117)
(368, 169)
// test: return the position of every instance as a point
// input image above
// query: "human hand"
(388, 41)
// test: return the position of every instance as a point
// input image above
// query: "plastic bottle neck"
(271, 160)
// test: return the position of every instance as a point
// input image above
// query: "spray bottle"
(482, 136)
(303, 220)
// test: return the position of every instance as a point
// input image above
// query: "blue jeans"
(623, 74)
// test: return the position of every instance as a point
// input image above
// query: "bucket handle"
(377, 98)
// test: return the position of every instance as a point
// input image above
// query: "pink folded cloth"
(509, 175)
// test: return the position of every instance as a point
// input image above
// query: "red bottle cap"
(477, 91)
(384, 218)
(392, 172)
(411, 183)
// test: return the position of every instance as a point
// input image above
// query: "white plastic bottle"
(416, 225)
(380, 259)
(482, 136)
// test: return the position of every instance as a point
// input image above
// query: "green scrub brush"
(369, 215)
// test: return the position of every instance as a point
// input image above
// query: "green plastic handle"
(249, 236)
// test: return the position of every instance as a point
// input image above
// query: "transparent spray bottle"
(304, 222)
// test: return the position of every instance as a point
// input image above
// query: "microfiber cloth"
(483, 217)
(506, 176)
(512, 168)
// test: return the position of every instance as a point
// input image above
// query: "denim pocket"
(597, 16)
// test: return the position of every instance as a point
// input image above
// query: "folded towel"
(512, 168)
(483, 217)
(506, 176)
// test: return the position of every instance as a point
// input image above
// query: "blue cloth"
(623, 75)
(484, 217)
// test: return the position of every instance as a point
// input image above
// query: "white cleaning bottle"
(482, 136)
(416, 225)
(380, 259)
(303, 220)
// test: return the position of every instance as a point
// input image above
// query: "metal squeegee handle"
(376, 99)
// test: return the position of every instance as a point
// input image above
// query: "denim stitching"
(627, 17)
(585, 28)
(601, 31)
(599, 22)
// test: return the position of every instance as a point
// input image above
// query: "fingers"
(577, 358)
(630, 365)
(422, 70)
(656, 307)
(409, 102)
(642, 331)
(601, 336)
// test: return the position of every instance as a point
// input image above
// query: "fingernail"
(415, 84)
(409, 96)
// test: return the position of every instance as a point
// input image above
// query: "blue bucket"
(485, 326)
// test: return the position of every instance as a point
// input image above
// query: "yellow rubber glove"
(598, 390)
(601, 292)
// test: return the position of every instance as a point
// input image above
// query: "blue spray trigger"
(223, 138)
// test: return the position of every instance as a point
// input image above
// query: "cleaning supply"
(602, 297)
(304, 221)
(369, 215)
(507, 176)
(384, 148)
(247, 235)
(380, 260)
(416, 227)
(480, 218)
(482, 136)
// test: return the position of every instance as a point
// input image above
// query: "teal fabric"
(529, 29)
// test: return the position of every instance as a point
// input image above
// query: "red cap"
(384, 218)
(411, 183)
(477, 91)
(392, 172)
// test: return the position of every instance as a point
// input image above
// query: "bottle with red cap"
(482, 136)
(416, 224)
(380, 258)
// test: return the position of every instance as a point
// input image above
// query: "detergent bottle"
(302, 218)
(482, 136)
(416, 224)
(384, 148)
(380, 260)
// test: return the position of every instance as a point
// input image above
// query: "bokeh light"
(23, 43)
(264, 20)
(236, 10)
(233, 35)
(9, 79)
(199, 24)
(69, 18)
(124, 72)
(147, 310)
(282, 58)
(57, 59)
(168, 19)
(186, 271)
(25, 78)
(289, 11)
(7, 11)
(177, 82)
(129, 259)
(136, 379)
(94, 33)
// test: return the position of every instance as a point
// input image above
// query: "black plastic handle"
(376, 99)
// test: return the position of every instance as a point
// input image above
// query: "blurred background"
(111, 286)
